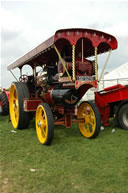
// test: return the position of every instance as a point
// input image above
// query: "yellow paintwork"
(96, 67)
(86, 112)
(73, 62)
(41, 124)
(14, 106)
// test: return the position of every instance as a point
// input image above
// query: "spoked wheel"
(88, 111)
(19, 118)
(44, 124)
(23, 78)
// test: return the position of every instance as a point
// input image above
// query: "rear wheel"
(19, 118)
(88, 111)
(44, 124)
(123, 117)
(4, 105)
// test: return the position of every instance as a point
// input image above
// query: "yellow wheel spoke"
(43, 124)
(15, 98)
(43, 130)
(43, 117)
(88, 129)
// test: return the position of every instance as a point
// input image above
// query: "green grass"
(72, 164)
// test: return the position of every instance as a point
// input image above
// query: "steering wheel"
(23, 78)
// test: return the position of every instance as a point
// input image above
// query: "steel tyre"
(123, 117)
(44, 124)
(4, 105)
(19, 118)
(92, 121)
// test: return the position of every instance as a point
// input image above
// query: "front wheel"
(88, 111)
(44, 124)
(123, 117)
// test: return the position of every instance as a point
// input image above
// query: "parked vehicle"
(4, 104)
(113, 102)
(67, 73)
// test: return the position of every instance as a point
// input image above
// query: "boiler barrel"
(65, 96)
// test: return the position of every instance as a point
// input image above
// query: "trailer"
(68, 62)
(113, 102)
(4, 102)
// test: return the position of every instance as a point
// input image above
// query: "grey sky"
(25, 24)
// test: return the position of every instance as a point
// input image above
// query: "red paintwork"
(91, 38)
(86, 84)
(105, 98)
(82, 68)
(67, 119)
(47, 96)
(1, 104)
(31, 104)
(94, 36)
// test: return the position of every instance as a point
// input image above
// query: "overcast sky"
(25, 24)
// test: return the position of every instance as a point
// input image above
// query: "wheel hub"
(39, 123)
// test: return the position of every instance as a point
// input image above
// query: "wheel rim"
(14, 106)
(86, 112)
(125, 118)
(41, 124)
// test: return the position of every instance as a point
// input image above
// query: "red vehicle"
(67, 73)
(113, 102)
(4, 104)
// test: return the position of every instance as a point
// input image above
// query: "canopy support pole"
(20, 72)
(73, 62)
(96, 69)
(105, 64)
(34, 71)
(13, 75)
(82, 50)
(61, 59)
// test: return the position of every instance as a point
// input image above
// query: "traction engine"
(68, 62)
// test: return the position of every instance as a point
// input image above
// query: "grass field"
(72, 164)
